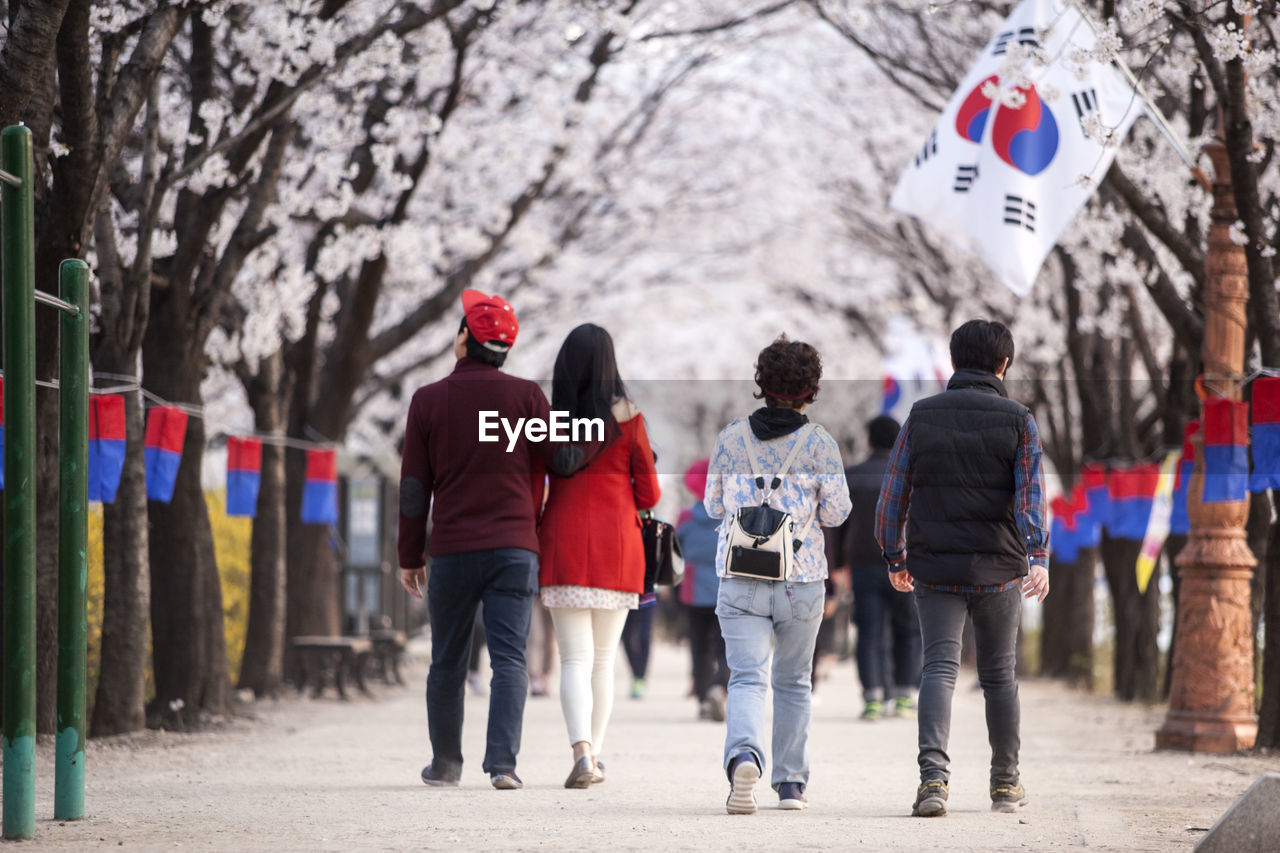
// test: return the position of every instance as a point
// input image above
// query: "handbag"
(761, 541)
(663, 559)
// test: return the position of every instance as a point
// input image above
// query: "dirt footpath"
(329, 775)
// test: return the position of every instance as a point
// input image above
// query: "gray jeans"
(995, 632)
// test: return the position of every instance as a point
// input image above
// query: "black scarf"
(769, 423)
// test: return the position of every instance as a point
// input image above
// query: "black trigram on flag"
(1086, 104)
(1020, 211)
(930, 148)
(965, 176)
(1023, 35)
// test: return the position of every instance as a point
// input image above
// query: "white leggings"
(588, 641)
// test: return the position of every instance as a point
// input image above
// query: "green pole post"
(73, 538)
(19, 264)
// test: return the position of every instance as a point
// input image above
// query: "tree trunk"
(1137, 620)
(188, 643)
(1269, 714)
(262, 670)
(119, 703)
(1257, 531)
(1067, 642)
(313, 571)
(1172, 546)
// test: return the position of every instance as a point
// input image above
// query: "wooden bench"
(325, 660)
(388, 646)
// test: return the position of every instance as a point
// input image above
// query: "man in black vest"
(965, 485)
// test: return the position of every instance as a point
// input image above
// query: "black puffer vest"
(962, 446)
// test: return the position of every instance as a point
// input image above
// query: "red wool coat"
(589, 534)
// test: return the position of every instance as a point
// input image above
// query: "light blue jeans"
(756, 618)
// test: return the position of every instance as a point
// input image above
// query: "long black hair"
(585, 381)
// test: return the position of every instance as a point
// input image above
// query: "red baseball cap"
(491, 319)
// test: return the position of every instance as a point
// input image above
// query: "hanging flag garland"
(320, 494)
(1097, 511)
(1266, 435)
(1179, 522)
(1132, 490)
(166, 433)
(244, 476)
(106, 446)
(1064, 539)
(1226, 450)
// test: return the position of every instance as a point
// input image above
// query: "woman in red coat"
(589, 541)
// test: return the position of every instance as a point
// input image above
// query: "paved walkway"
(329, 775)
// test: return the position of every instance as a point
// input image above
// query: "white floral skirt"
(589, 597)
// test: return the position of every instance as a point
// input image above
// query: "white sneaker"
(742, 791)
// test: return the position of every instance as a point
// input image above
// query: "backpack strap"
(802, 435)
(741, 430)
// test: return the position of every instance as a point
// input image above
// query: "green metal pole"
(73, 538)
(19, 264)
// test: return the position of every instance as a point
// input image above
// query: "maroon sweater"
(480, 496)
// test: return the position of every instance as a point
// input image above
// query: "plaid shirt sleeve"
(1028, 482)
(895, 495)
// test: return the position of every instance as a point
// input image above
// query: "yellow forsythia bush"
(231, 543)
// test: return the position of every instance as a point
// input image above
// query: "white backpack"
(761, 541)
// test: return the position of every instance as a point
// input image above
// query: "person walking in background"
(698, 534)
(483, 499)
(541, 649)
(760, 618)
(961, 522)
(637, 637)
(592, 554)
(881, 613)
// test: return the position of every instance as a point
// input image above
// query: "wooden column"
(1211, 707)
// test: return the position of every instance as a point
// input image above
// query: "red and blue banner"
(1266, 435)
(1179, 522)
(1132, 492)
(106, 446)
(1064, 536)
(166, 433)
(1097, 504)
(244, 476)
(1226, 450)
(320, 494)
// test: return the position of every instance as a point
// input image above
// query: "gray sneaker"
(931, 799)
(1008, 798)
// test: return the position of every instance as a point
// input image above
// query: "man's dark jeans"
(995, 632)
(877, 606)
(505, 579)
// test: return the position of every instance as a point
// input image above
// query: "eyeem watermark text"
(560, 427)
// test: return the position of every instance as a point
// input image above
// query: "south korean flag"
(1022, 144)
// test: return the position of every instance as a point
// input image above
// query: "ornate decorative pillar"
(1211, 694)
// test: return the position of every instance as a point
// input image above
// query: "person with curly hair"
(760, 618)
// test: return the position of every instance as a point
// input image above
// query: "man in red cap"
(483, 498)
